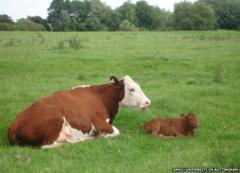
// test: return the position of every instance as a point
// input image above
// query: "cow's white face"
(134, 96)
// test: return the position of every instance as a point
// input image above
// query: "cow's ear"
(118, 83)
(114, 79)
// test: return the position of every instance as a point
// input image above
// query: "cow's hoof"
(115, 131)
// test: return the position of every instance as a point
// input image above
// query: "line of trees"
(34, 23)
(93, 15)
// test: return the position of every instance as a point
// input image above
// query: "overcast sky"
(22, 8)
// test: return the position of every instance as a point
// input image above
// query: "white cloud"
(21, 9)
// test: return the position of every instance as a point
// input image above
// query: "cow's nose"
(148, 102)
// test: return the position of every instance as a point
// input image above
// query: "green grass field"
(179, 71)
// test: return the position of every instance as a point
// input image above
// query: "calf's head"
(191, 122)
(133, 95)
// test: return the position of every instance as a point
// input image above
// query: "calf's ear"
(191, 114)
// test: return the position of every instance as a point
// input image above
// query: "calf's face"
(134, 96)
(192, 120)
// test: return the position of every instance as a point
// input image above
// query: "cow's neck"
(111, 96)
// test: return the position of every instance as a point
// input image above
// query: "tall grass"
(60, 44)
(42, 38)
(218, 73)
(75, 42)
(9, 43)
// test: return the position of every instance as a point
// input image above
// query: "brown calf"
(176, 127)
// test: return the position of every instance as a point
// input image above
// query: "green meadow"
(180, 72)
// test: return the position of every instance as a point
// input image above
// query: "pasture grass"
(179, 71)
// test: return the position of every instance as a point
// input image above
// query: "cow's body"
(71, 115)
(172, 127)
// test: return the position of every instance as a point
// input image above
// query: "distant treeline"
(93, 15)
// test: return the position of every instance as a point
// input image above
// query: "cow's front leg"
(113, 134)
(104, 128)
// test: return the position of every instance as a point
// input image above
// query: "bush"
(125, 25)
(6, 27)
(39, 20)
(28, 25)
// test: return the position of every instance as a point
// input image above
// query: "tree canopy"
(227, 12)
(94, 15)
(194, 16)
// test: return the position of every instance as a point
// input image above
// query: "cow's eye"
(132, 90)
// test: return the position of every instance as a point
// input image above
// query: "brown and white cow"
(76, 114)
